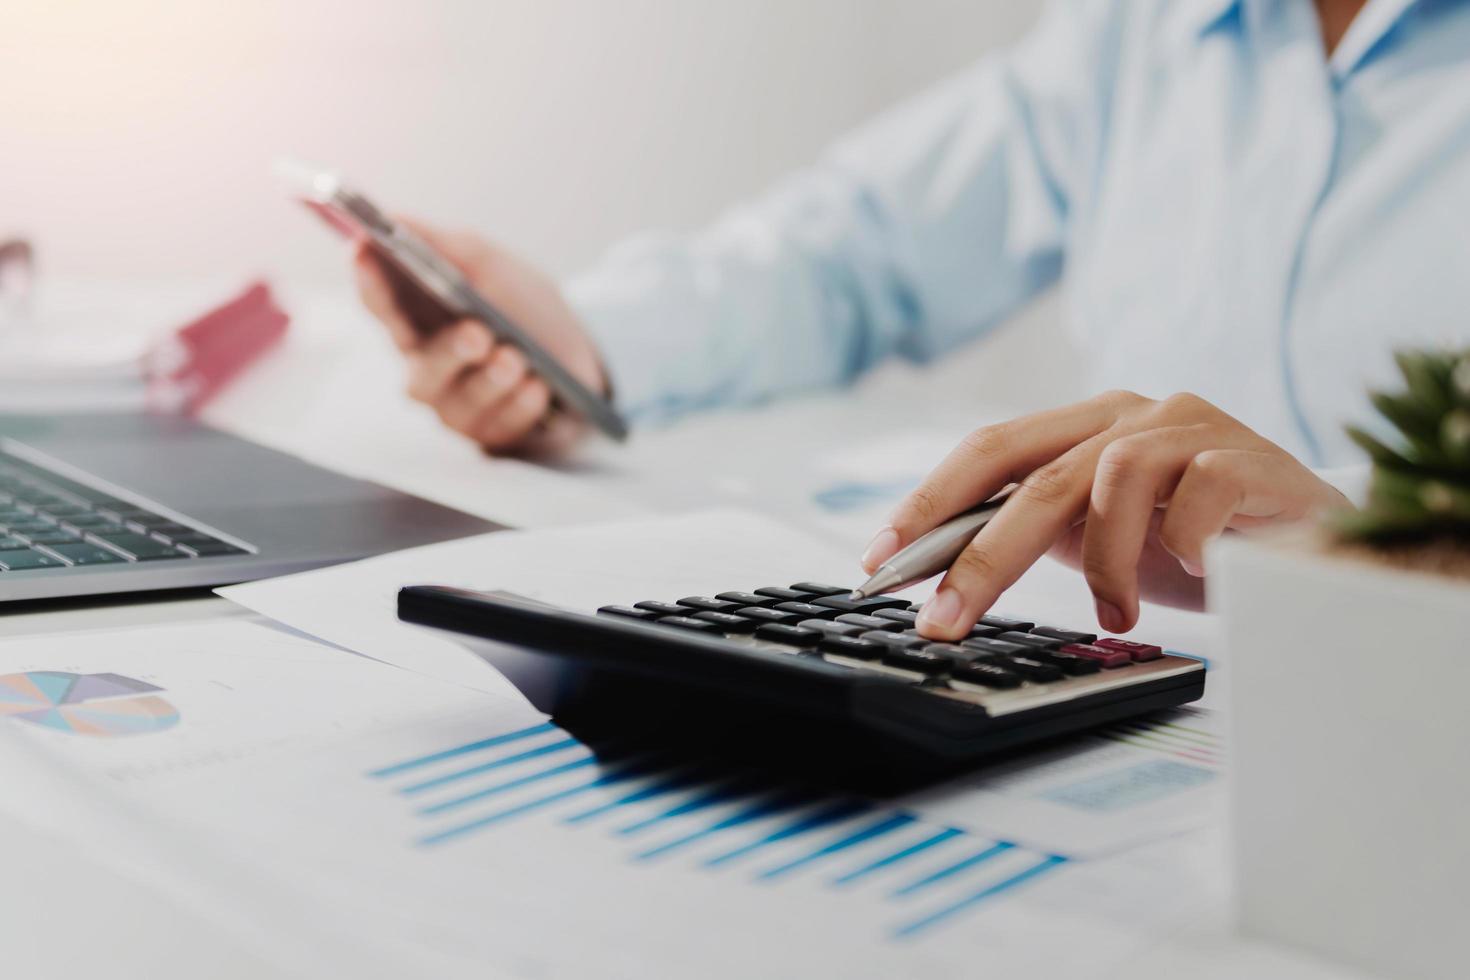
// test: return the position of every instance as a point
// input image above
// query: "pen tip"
(858, 594)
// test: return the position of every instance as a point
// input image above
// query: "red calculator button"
(1138, 651)
(1098, 655)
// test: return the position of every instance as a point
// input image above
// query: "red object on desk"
(192, 365)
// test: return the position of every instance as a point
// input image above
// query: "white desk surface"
(332, 393)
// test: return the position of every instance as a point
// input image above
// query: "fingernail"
(942, 612)
(1193, 567)
(470, 344)
(883, 547)
(1109, 616)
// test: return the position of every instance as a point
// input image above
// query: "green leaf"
(1381, 454)
(1454, 439)
(1407, 415)
(1428, 387)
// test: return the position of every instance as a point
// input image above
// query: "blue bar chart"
(753, 829)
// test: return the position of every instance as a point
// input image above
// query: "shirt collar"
(1373, 23)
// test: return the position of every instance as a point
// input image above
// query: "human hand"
(479, 387)
(1127, 488)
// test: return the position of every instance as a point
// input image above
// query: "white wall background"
(136, 136)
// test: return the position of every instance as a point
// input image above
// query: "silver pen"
(933, 552)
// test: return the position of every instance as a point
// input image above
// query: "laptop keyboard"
(50, 521)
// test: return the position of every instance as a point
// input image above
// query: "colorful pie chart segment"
(86, 704)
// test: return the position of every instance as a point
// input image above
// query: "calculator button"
(726, 622)
(1032, 670)
(1067, 663)
(806, 610)
(904, 616)
(1018, 625)
(980, 631)
(850, 646)
(988, 675)
(1068, 636)
(1140, 652)
(869, 605)
(790, 635)
(708, 604)
(819, 588)
(631, 613)
(998, 648)
(747, 599)
(763, 615)
(828, 628)
(894, 641)
(1031, 640)
(1101, 656)
(783, 595)
(689, 623)
(951, 650)
(663, 608)
(869, 622)
(921, 661)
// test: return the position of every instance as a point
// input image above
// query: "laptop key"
(138, 547)
(211, 549)
(83, 553)
(16, 561)
(55, 535)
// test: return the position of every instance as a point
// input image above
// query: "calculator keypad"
(1003, 664)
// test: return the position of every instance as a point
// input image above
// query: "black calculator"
(808, 664)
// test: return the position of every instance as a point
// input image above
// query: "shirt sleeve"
(917, 233)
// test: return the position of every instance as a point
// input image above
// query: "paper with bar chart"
(502, 838)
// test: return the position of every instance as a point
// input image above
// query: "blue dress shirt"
(1233, 213)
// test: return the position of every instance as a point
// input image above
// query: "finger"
(1039, 512)
(475, 393)
(988, 459)
(377, 296)
(1222, 487)
(555, 434)
(465, 249)
(1134, 475)
(439, 361)
(510, 422)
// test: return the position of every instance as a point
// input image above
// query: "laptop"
(98, 505)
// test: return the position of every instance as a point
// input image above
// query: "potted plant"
(1347, 667)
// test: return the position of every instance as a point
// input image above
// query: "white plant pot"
(1349, 694)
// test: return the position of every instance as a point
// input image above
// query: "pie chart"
(97, 705)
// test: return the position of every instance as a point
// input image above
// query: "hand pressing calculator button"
(808, 657)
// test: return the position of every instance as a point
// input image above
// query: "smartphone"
(435, 293)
